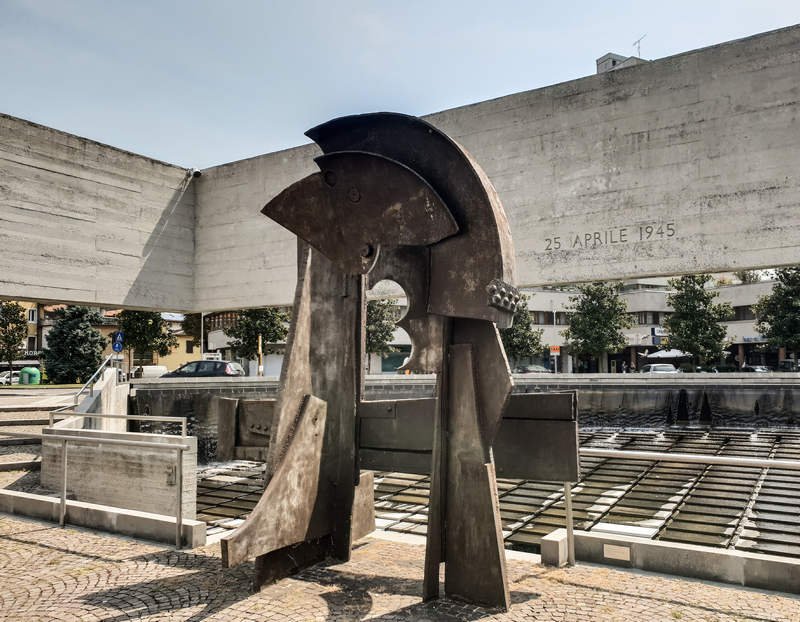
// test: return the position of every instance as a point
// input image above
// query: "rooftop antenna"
(638, 44)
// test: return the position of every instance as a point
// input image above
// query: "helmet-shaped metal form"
(394, 198)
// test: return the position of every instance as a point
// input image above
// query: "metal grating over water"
(227, 492)
(748, 509)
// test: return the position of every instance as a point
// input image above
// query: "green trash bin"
(29, 375)
(34, 376)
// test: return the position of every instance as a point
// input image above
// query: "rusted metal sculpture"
(396, 199)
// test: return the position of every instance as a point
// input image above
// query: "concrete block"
(689, 560)
(553, 548)
(158, 527)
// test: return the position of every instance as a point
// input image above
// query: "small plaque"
(621, 553)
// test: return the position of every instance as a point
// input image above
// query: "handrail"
(181, 420)
(762, 463)
(93, 379)
(95, 440)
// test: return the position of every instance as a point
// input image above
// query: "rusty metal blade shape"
(357, 204)
(283, 515)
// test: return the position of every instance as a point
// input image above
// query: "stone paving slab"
(50, 573)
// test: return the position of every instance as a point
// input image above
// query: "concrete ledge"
(687, 560)
(156, 527)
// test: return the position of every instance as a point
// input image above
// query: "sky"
(203, 83)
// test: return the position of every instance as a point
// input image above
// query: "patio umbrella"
(669, 354)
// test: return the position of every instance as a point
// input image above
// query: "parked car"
(659, 368)
(197, 369)
(531, 369)
(9, 377)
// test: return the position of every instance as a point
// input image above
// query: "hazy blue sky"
(202, 83)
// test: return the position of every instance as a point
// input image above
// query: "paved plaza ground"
(49, 573)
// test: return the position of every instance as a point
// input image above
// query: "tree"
(75, 346)
(778, 313)
(748, 276)
(694, 324)
(596, 317)
(13, 329)
(522, 340)
(146, 331)
(381, 318)
(192, 326)
(271, 323)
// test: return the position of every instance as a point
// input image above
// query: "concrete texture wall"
(85, 222)
(684, 164)
(135, 478)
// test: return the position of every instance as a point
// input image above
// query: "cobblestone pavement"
(68, 574)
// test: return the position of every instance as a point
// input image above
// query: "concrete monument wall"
(683, 164)
(84, 222)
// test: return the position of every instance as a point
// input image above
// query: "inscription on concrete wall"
(610, 237)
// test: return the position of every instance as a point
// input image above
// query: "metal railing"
(158, 419)
(65, 438)
(95, 376)
(661, 456)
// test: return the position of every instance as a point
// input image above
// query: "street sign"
(555, 350)
(117, 341)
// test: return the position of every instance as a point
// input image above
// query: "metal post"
(570, 535)
(63, 512)
(179, 508)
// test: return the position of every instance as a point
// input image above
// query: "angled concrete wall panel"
(85, 222)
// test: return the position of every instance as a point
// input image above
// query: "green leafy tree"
(146, 331)
(694, 324)
(192, 326)
(271, 323)
(381, 318)
(522, 340)
(778, 313)
(13, 329)
(75, 346)
(597, 315)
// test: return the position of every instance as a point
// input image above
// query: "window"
(31, 344)
(31, 316)
(189, 347)
(743, 313)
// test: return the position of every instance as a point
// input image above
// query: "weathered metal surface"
(254, 422)
(396, 435)
(396, 197)
(538, 438)
(463, 265)
(492, 379)
(409, 267)
(284, 513)
(358, 204)
(363, 519)
(473, 536)
(224, 410)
